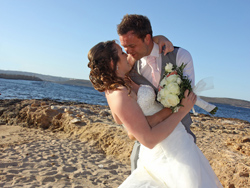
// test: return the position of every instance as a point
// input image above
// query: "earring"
(117, 67)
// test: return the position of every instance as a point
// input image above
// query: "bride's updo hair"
(102, 74)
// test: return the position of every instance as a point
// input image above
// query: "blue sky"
(53, 37)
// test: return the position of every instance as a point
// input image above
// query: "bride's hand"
(189, 100)
(134, 86)
(163, 42)
(131, 60)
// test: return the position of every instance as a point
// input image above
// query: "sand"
(50, 144)
(37, 158)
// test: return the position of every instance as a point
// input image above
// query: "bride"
(168, 156)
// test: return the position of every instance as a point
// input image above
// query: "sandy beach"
(51, 144)
(36, 158)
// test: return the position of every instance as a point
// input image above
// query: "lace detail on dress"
(146, 100)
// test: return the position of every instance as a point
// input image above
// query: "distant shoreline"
(87, 83)
(19, 77)
(228, 101)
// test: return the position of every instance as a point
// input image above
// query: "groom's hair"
(140, 25)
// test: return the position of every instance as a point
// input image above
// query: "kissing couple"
(168, 155)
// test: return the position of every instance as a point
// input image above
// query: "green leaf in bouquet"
(186, 84)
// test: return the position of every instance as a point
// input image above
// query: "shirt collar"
(154, 52)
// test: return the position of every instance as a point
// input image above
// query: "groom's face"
(133, 45)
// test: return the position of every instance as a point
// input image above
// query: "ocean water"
(24, 89)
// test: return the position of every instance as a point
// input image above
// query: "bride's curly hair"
(103, 74)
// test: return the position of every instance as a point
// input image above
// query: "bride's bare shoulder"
(121, 93)
(120, 90)
(115, 94)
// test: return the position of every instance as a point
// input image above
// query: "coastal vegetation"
(20, 77)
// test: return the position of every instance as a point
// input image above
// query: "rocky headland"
(20, 77)
(47, 143)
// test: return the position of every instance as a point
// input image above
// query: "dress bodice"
(146, 100)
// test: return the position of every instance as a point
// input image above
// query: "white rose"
(170, 100)
(169, 67)
(163, 82)
(172, 78)
(163, 93)
(173, 88)
(179, 80)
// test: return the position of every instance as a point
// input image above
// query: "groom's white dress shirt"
(183, 56)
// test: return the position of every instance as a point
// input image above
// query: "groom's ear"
(148, 39)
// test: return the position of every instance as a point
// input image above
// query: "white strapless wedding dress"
(176, 162)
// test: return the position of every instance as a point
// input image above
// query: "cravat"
(151, 61)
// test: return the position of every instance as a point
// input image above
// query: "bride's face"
(123, 66)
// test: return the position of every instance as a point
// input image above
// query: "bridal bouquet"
(173, 86)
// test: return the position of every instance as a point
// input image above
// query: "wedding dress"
(176, 162)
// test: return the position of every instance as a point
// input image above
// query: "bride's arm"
(158, 117)
(130, 114)
(154, 119)
(118, 121)
(163, 41)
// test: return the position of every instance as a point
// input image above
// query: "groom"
(135, 33)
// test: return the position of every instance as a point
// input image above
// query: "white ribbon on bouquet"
(203, 85)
